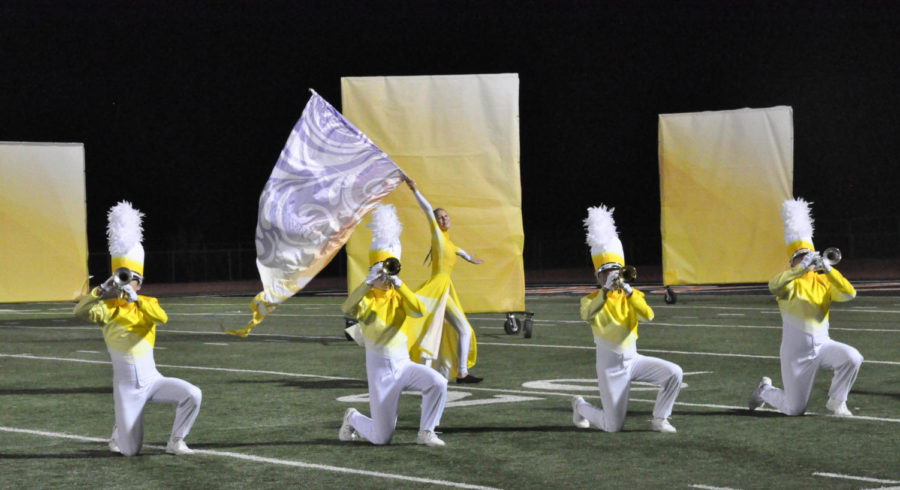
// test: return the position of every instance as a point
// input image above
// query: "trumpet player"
(129, 329)
(613, 313)
(382, 304)
(804, 293)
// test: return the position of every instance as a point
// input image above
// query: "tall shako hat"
(606, 248)
(798, 227)
(386, 229)
(125, 234)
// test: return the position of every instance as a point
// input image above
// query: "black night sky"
(184, 106)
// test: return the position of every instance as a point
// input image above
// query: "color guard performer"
(129, 324)
(613, 313)
(457, 349)
(805, 292)
(382, 305)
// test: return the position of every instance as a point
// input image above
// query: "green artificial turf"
(275, 398)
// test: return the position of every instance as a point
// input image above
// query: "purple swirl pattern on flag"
(328, 176)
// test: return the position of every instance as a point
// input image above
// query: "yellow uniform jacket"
(614, 320)
(804, 297)
(382, 316)
(129, 329)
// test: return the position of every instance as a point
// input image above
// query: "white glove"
(627, 288)
(374, 273)
(824, 265)
(611, 280)
(808, 259)
(130, 293)
(108, 285)
(395, 280)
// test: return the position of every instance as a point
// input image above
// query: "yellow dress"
(430, 338)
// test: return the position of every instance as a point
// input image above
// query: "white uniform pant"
(615, 372)
(802, 355)
(455, 317)
(388, 377)
(136, 384)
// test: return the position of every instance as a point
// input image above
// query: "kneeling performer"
(612, 313)
(805, 293)
(129, 329)
(381, 304)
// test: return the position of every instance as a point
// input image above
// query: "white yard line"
(850, 309)
(858, 478)
(711, 325)
(192, 332)
(260, 459)
(806, 414)
(465, 388)
(502, 344)
(707, 487)
(247, 314)
(722, 354)
(688, 353)
(282, 305)
(200, 368)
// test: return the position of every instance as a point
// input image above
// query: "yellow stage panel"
(723, 177)
(43, 218)
(458, 137)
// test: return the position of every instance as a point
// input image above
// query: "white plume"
(124, 230)
(798, 223)
(386, 228)
(601, 229)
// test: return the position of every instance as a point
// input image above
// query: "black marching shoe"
(470, 379)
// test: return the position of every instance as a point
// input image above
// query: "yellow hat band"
(606, 258)
(376, 256)
(134, 265)
(799, 245)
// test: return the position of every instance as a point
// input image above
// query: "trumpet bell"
(628, 274)
(832, 255)
(391, 266)
(123, 276)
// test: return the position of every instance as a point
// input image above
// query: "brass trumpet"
(831, 255)
(627, 274)
(390, 266)
(122, 276)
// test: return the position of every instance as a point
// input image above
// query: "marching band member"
(805, 292)
(129, 324)
(457, 348)
(613, 313)
(382, 304)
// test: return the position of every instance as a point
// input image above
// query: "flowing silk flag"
(329, 176)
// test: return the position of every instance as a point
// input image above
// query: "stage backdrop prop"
(723, 177)
(43, 222)
(328, 176)
(458, 137)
